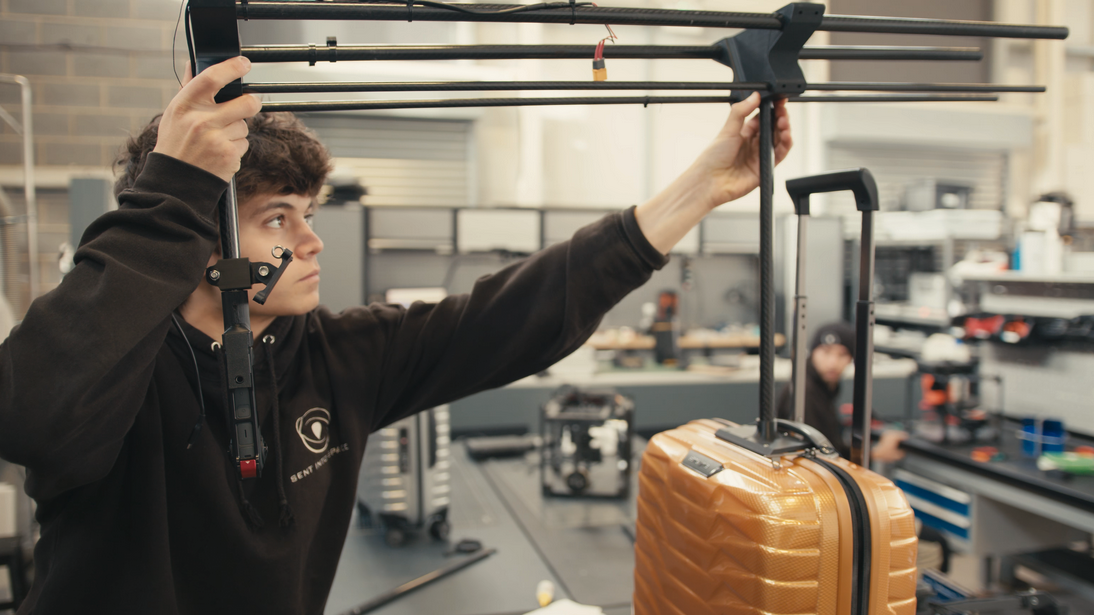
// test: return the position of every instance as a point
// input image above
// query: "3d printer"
(587, 443)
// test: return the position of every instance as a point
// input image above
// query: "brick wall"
(99, 69)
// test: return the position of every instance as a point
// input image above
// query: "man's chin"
(304, 307)
(292, 308)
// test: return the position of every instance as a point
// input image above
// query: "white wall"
(1062, 155)
(609, 156)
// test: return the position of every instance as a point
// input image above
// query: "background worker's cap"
(835, 333)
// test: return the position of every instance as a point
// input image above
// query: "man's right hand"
(197, 130)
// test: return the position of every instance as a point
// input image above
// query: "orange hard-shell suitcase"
(763, 535)
(766, 519)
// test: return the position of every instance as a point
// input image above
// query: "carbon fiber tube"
(767, 427)
(899, 98)
(493, 86)
(945, 27)
(375, 105)
(365, 105)
(845, 86)
(322, 53)
(632, 16)
(421, 581)
(880, 52)
(354, 53)
(503, 86)
(229, 222)
(564, 14)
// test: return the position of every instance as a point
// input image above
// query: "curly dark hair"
(284, 157)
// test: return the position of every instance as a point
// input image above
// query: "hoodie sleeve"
(514, 323)
(75, 373)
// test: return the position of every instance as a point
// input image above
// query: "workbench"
(666, 398)
(1000, 508)
(603, 341)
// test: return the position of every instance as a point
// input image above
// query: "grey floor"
(581, 546)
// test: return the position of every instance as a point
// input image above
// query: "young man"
(830, 353)
(100, 391)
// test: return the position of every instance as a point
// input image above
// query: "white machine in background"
(1042, 245)
(405, 480)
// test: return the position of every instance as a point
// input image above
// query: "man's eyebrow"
(272, 205)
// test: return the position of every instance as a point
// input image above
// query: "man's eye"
(310, 220)
(277, 222)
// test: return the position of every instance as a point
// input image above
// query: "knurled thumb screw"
(214, 275)
(263, 271)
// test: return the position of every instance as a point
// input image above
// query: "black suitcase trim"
(861, 539)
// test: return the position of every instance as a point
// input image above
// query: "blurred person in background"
(831, 352)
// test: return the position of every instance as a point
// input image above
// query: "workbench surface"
(1016, 470)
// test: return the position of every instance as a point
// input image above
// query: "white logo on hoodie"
(314, 429)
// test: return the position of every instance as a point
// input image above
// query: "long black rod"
(503, 86)
(886, 52)
(353, 53)
(421, 581)
(376, 105)
(562, 13)
(898, 98)
(854, 86)
(491, 86)
(766, 152)
(943, 27)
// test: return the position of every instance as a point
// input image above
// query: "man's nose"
(308, 243)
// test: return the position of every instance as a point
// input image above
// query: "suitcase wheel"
(440, 529)
(577, 481)
(394, 537)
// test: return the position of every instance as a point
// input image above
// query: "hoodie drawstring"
(286, 518)
(196, 431)
(250, 513)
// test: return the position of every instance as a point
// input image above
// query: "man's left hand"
(732, 160)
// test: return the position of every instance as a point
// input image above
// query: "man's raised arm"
(75, 373)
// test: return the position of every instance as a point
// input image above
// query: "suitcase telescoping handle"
(862, 184)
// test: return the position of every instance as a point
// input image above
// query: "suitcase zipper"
(861, 540)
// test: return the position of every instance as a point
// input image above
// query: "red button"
(248, 468)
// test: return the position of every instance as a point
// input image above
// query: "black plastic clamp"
(771, 56)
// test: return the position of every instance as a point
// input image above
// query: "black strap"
(196, 431)
(573, 11)
(410, 10)
(285, 518)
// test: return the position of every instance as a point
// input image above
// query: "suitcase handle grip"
(859, 181)
(811, 435)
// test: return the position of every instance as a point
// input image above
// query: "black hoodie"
(97, 400)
